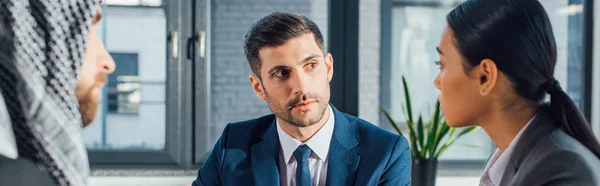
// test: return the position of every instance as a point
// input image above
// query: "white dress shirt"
(317, 161)
(497, 164)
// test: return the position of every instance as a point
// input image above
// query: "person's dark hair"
(518, 37)
(274, 30)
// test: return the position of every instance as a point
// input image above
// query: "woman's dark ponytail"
(569, 117)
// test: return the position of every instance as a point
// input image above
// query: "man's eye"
(312, 66)
(282, 74)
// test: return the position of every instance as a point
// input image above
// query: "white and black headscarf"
(42, 44)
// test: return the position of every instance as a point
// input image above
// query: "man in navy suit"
(306, 141)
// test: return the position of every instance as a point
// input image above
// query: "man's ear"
(329, 64)
(257, 86)
(487, 73)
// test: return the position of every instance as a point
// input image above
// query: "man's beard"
(88, 106)
(285, 112)
(89, 99)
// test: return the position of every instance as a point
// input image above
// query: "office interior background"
(182, 76)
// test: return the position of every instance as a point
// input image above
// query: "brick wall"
(369, 57)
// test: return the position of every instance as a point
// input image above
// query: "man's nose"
(300, 83)
(105, 61)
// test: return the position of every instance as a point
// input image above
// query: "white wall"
(369, 31)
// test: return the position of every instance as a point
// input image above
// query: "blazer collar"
(343, 159)
(542, 125)
(264, 158)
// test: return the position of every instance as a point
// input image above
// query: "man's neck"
(303, 134)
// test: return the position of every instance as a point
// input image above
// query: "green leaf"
(407, 100)
(429, 137)
(436, 113)
(451, 134)
(452, 138)
(413, 136)
(411, 129)
(421, 136)
(414, 149)
(468, 130)
(449, 141)
(392, 122)
(433, 138)
(439, 136)
(442, 150)
(404, 111)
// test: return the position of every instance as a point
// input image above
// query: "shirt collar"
(319, 143)
(496, 169)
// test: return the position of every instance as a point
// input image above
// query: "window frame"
(178, 144)
(588, 58)
(201, 30)
(344, 46)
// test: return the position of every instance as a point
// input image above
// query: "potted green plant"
(428, 140)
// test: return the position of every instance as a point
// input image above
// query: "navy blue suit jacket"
(360, 154)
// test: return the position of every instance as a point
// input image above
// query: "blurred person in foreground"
(306, 141)
(497, 61)
(52, 69)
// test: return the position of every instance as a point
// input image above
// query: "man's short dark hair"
(274, 30)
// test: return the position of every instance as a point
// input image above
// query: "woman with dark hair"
(497, 60)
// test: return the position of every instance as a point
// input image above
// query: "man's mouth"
(303, 105)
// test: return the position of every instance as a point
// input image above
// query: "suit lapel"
(264, 157)
(342, 161)
(541, 125)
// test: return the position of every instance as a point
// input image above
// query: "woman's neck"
(503, 125)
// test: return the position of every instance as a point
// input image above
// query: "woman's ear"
(487, 74)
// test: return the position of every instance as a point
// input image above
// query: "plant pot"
(424, 172)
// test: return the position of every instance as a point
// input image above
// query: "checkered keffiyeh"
(42, 44)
